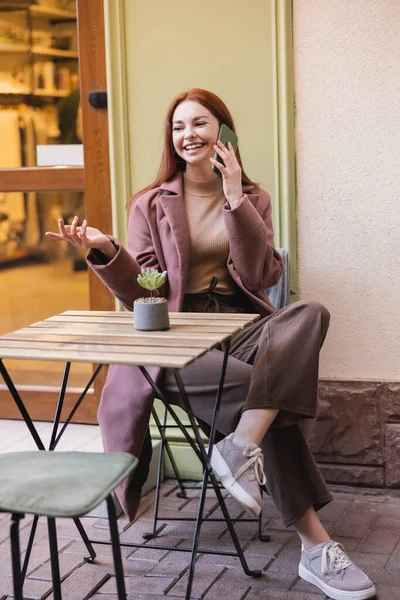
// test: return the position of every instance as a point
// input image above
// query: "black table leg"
(21, 406)
(200, 450)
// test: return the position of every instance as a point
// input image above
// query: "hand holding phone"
(225, 135)
(226, 159)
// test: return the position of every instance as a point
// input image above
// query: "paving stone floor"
(368, 526)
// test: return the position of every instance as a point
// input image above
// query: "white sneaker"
(329, 568)
(241, 471)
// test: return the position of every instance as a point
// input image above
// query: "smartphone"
(225, 135)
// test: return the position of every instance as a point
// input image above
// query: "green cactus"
(151, 279)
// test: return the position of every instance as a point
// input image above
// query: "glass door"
(48, 170)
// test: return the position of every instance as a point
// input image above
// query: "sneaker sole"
(231, 485)
(305, 574)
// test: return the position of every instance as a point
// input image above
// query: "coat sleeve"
(120, 273)
(251, 242)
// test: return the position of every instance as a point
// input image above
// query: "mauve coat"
(158, 237)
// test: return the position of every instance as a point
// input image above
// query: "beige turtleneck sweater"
(209, 247)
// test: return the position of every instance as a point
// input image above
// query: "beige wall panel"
(347, 87)
(226, 47)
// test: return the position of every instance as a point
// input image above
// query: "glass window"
(39, 79)
(40, 277)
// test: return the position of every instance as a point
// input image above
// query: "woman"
(214, 237)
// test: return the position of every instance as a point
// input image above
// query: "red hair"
(172, 163)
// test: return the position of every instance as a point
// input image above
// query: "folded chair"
(279, 295)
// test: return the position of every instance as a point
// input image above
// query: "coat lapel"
(175, 211)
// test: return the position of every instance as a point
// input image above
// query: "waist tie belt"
(211, 302)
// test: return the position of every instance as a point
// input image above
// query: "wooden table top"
(109, 337)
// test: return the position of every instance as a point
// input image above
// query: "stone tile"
(5, 549)
(272, 548)
(377, 567)
(225, 544)
(233, 507)
(67, 528)
(102, 550)
(244, 531)
(68, 563)
(173, 502)
(205, 575)
(225, 588)
(387, 592)
(356, 521)
(388, 522)
(133, 596)
(274, 594)
(253, 562)
(137, 595)
(393, 503)
(392, 455)
(5, 566)
(353, 474)
(210, 504)
(349, 429)
(154, 554)
(390, 393)
(131, 567)
(281, 573)
(33, 589)
(134, 533)
(332, 512)
(174, 564)
(350, 544)
(304, 587)
(101, 596)
(82, 583)
(157, 586)
(41, 553)
(380, 541)
(236, 514)
(236, 576)
(168, 513)
(371, 534)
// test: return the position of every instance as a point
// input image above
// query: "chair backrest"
(279, 294)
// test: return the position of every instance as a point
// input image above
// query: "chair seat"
(60, 484)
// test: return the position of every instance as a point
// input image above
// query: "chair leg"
(29, 547)
(263, 537)
(86, 541)
(165, 444)
(15, 556)
(116, 549)
(55, 566)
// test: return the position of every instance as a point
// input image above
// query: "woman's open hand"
(83, 237)
(231, 173)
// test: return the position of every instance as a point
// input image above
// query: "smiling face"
(194, 132)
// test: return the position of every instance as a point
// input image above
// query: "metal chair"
(60, 484)
(279, 296)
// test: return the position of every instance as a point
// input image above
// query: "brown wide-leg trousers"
(273, 364)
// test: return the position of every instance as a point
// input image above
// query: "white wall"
(347, 89)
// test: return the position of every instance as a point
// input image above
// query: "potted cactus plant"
(151, 313)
